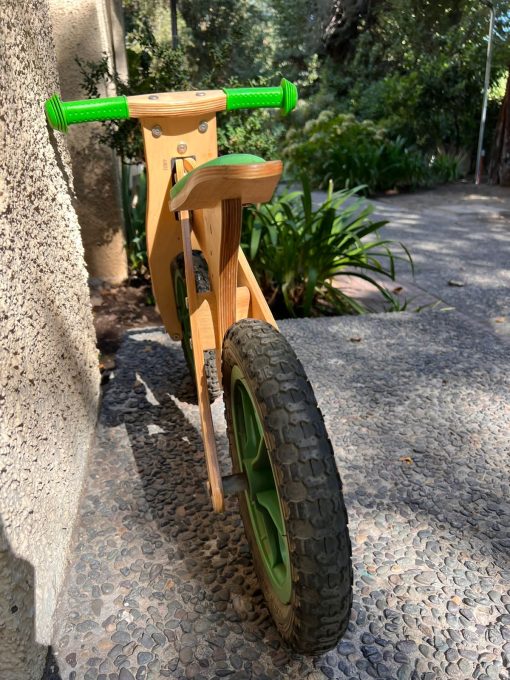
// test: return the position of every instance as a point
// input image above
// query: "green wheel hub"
(183, 314)
(262, 497)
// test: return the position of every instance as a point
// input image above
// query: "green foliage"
(353, 152)
(152, 67)
(416, 68)
(445, 168)
(296, 250)
(228, 39)
(257, 132)
(134, 202)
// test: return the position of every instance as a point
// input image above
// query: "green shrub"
(338, 147)
(445, 167)
(134, 203)
(152, 67)
(257, 131)
(296, 249)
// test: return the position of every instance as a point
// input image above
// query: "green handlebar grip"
(283, 97)
(61, 114)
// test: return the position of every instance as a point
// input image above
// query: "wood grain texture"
(177, 104)
(232, 213)
(211, 456)
(208, 318)
(254, 183)
(164, 240)
(259, 309)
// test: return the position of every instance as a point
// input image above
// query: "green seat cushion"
(230, 159)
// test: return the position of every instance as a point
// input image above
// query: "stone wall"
(88, 29)
(49, 380)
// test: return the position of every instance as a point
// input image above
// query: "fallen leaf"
(499, 319)
(455, 284)
(169, 584)
(398, 289)
(456, 599)
(406, 459)
(355, 339)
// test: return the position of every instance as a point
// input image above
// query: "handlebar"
(283, 97)
(62, 114)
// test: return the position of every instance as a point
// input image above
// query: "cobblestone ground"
(417, 409)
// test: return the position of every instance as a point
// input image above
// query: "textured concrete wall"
(88, 29)
(48, 360)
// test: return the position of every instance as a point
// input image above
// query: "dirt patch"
(116, 309)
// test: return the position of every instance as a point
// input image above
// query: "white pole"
(488, 64)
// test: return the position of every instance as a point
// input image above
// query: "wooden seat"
(243, 176)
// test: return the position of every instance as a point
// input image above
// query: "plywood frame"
(176, 138)
(181, 143)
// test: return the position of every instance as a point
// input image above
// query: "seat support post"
(231, 218)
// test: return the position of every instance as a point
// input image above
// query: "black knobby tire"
(316, 614)
(202, 284)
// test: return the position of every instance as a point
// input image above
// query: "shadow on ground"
(417, 410)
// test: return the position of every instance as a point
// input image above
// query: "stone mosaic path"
(459, 237)
(418, 411)
(417, 408)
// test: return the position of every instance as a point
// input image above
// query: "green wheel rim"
(183, 314)
(262, 497)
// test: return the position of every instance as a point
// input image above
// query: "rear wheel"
(202, 284)
(293, 510)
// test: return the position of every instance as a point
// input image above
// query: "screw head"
(153, 97)
(203, 126)
(156, 131)
(182, 147)
(199, 94)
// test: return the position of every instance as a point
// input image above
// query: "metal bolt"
(153, 96)
(156, 131)
(182, 147)
(203, 126)
(199, 94)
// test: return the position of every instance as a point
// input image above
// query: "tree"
(173, 15)
(416, 67)
(344, 23)
(499, 171)
(229, 40)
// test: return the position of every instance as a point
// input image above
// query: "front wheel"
(293, 510)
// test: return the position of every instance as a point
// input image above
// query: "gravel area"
(417, 408)
(458, 236)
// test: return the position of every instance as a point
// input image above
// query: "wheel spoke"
(261, 495)
(253, 436)
(260, 460)
(269, 500)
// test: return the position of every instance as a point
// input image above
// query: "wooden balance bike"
(284, 471)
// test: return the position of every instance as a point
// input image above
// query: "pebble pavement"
(417, 408)
(458, 236)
